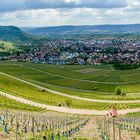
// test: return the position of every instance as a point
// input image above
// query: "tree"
(118, 91)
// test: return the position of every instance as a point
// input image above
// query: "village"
(91, 51)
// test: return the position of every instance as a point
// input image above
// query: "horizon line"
(74, 25)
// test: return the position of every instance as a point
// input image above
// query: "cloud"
(78, 16)
(14, 5)
(75, 3)
(11, 5)
(68, 12)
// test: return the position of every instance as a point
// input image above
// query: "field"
(57, 126)
(6, 103)
(98, 83)
(6, 46)
(20, 89)
(34, 126)
(119, 128)
(55, 86)
(82, 81)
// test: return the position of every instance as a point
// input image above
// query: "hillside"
(5, 46)
(61, 31)
(14, 34)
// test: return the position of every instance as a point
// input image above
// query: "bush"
(123, 93)
(118, 91)
(68, 102)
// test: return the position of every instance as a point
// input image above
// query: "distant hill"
(36, 35)
(57, 31)
(14, 34)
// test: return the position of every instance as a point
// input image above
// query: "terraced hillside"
(17, 88)
(65, 85)
(92, 82)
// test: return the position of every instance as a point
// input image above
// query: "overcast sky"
(27, 13)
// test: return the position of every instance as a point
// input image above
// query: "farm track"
(66, 109)
(97, 82)
(70, 96)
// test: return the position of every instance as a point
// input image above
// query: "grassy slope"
(7, 46)
(88, 94)
(11, 104)
(17, 88)
(23, 90)
(59, 71)
(99, 75)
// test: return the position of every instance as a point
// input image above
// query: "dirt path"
(70, 96)
(89, 131)
(65, 109)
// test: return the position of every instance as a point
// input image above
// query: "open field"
(20, 89)
(41, 76)
(6, 46)
(91, 73)
(72, 80)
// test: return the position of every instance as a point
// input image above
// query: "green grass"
(99, 75)
(6, 46)
(26, 91)
(17, 88)
(12, 104)
(68, 79)
(27, 73)
(133, 114)
(87, 93)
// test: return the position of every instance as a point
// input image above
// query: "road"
(70, 96)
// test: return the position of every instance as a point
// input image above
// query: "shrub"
(118, 91)
(123, 93)
(68, 102)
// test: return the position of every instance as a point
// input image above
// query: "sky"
(41, 13)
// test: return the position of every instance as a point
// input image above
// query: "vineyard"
(37, 90)
(15, 125)
(91, 82)
(124, 128)
(20, 89)
(46, 126)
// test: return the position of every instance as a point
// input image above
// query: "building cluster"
(91, 51)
